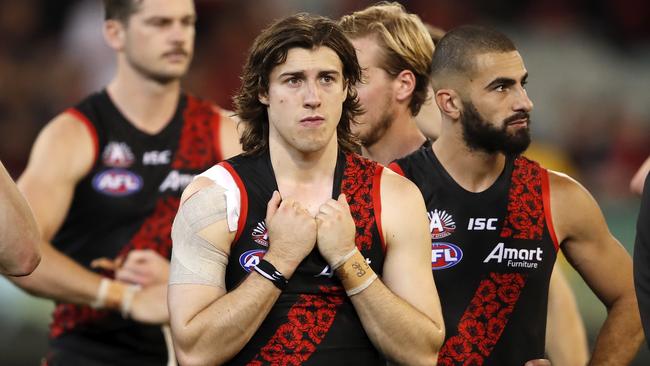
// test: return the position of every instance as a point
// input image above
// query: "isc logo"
(481, 223)
(445, 255)
(251, 258)
(156, 157)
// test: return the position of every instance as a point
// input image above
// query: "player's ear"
(404, 84)
(449, 102)
(263, 98)
(114, 34)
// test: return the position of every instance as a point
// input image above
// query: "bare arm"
(566, 339)
(603, 263)
(61, 156)
(19, 236)
(400, 312)
(209, 325)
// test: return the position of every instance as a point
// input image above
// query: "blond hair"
(403, 38)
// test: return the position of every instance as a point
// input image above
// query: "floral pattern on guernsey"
(195, 151)
(487, 315)
(308, 321)
(483, 321)
(525, 219)
(357, 186)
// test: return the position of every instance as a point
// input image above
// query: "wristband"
(115, 295)
(355, 274)
(268, 271)
(341, 261)
(100, 300)
(127, 299)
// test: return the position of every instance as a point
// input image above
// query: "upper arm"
(62, 154)
(407, 266)
(186, 300)
(229, 134)
(586, 240)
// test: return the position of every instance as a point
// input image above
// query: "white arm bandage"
(194, 259)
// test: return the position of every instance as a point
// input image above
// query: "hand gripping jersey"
(128, 201)
(313, 322)
(492, 257)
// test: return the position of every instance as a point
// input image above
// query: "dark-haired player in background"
(104, 180)
(508, 215)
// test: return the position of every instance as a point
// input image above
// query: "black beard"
(479, 134)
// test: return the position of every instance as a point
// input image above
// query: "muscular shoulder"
(66, 144)
(399, 193)
(574, 210)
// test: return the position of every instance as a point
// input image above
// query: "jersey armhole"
(396, 168)
(243, 195)
(76, 114)
(376, 201)
(546, 197)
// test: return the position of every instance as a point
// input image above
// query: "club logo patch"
(117, 155)
(117, 182)
(261, 234)
(445, 255)
(251, 258)
(441, 224)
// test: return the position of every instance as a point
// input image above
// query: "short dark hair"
(269, 50)
(120, 10)
(455, 52)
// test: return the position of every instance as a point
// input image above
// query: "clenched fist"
(336, 229)
(292, 233)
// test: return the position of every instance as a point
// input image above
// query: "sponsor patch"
(117, 182)
(445, 255)
(251, 258)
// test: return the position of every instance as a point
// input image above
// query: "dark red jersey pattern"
(128, 201)
(313, 322)
(492, 257)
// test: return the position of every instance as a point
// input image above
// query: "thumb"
(343, 200)
(273, 205)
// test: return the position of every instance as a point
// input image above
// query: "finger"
(327, 209)
(273, 205)
(103, 263)
(139, 256)
(132, 277)
(343, 200)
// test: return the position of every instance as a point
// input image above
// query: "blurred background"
(588, 60)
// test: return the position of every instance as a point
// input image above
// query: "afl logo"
(441, 224)
(117, 182)
(251, 258)
(445, 255)
(261, 234)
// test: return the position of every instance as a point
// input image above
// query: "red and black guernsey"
(128, 201)
(492, 257)
(313, 322)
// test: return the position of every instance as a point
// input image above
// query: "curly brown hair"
(269, 50)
